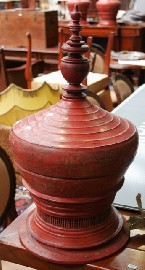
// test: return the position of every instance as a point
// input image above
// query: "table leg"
(9, 5)
(0, 265)
(142, 76)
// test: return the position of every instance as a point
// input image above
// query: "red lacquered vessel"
(73, 158)
(83, 8)
(107, 10)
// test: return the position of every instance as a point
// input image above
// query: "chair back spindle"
(3, 73)
(28, 69)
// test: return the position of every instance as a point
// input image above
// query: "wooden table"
(11, 250)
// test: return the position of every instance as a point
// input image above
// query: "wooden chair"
(3, 73)
(28, 68)
(121, 88)
(100, 62)
(7, 190)
(22, 73)
(101, 59)
(95, 99)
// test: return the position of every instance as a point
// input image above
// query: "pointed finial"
(74, 66)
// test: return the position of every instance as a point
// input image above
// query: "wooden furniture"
(104, 57)
(95, 99)
(50, 55)
(42, 25)
(16, 75)
(18, 56)
(19, 72)
(3, 74)
(132, 37)
(12, 250)
(28, 69)
(121, 88)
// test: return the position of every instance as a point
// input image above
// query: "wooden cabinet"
(132, 38)
(42, 25)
